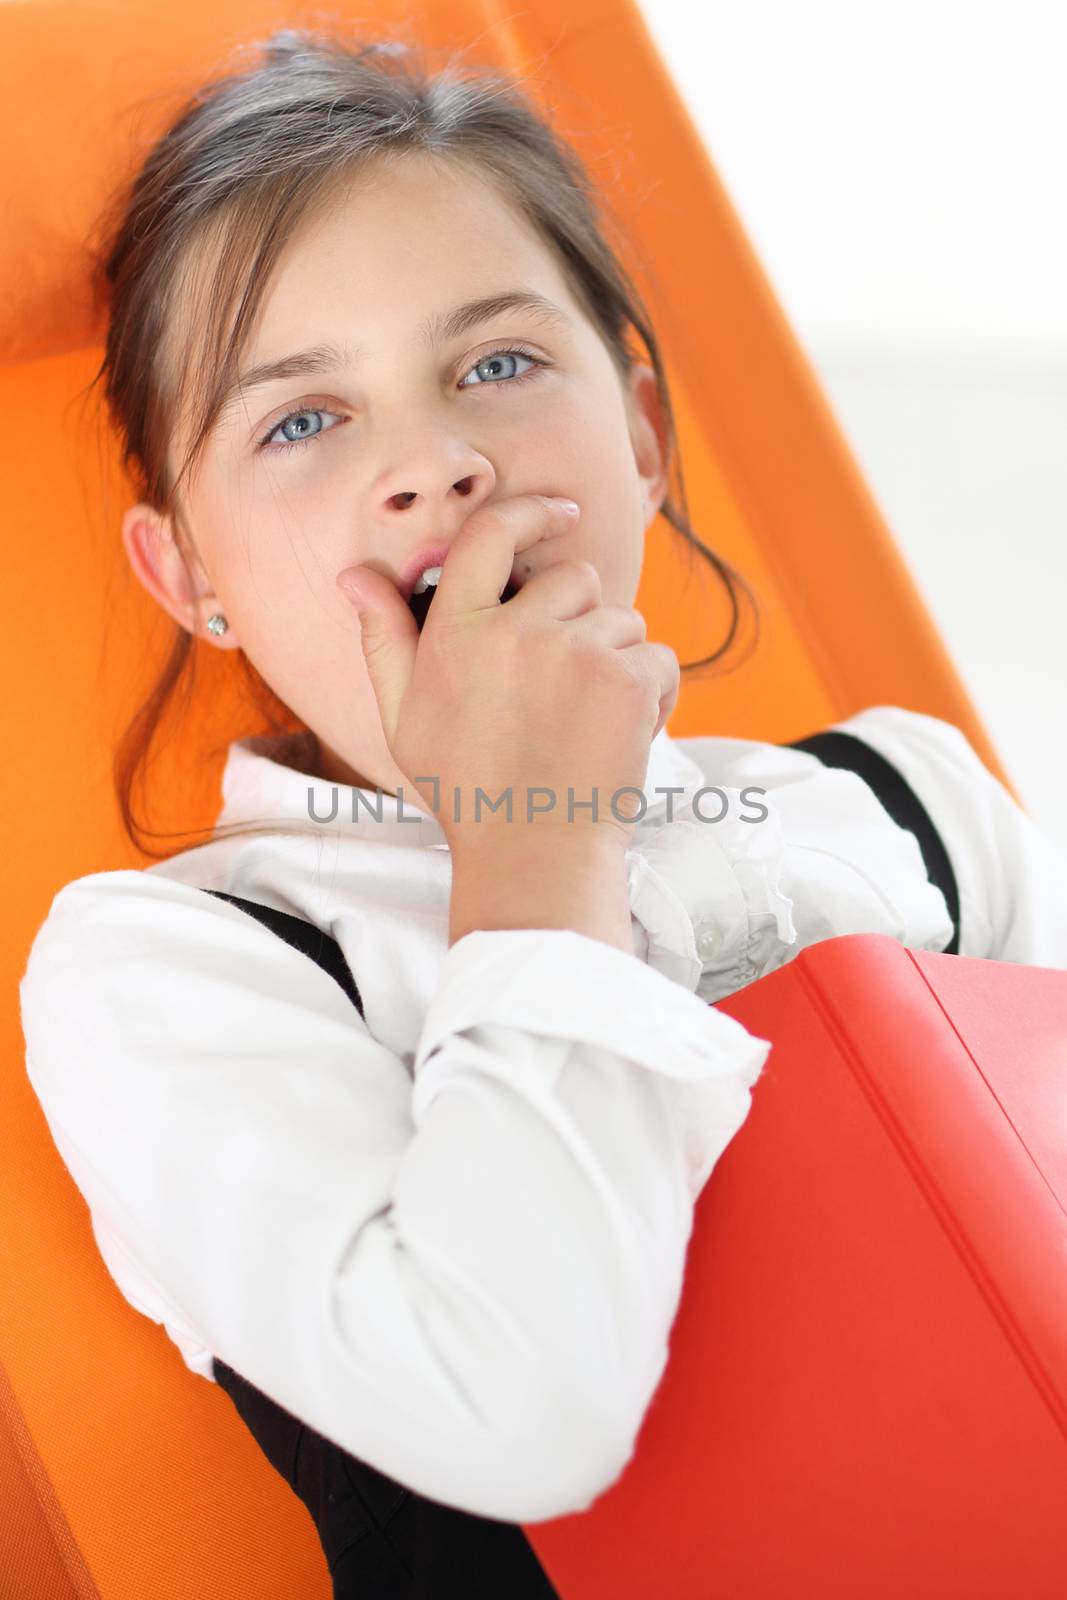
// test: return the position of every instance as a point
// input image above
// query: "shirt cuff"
(565, 986)
(709, 895)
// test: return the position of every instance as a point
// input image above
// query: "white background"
(901, 170)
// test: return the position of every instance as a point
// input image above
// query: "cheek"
(581, 447)
(588, 427)
(586, 451)
(275, 569)
(287, 527)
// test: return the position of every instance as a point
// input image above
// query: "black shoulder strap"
(304, 936)
(835, 748)
(378, 1537)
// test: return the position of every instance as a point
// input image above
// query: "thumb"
(389, 637)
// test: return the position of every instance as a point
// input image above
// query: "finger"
(564, 590)
(479, 562)
(658, 665)
(617, 626)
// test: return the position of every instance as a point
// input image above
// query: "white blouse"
(450, 1235)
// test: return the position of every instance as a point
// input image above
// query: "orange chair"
(120, 1475)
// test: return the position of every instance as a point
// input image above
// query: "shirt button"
(707, 940)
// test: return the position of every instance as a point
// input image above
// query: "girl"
(391, 1105)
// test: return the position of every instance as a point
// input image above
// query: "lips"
(430, 556)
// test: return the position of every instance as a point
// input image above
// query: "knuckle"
(646, 677)
(632, 677)
(586, 571)
(664, 659)
(634, 617)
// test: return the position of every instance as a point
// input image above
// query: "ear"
(184, 591)
(648, 434)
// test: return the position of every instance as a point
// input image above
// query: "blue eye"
(498, 355)
(294, 416)
(483, 361)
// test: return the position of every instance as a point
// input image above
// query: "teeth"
(428, 580)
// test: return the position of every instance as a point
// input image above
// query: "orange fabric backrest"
(131, 1477)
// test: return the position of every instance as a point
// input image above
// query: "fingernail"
(568, 505)
(349, 584)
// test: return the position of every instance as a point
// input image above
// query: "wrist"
(540, 841)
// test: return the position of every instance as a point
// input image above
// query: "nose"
(463, 487)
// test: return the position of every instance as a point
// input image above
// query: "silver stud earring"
(217, 623)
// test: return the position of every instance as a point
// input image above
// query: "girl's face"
(395, 443)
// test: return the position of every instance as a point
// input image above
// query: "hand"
(552, 690)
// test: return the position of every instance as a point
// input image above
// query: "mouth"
(419, 604)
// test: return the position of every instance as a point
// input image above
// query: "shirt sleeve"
(1011, 877)
(465, 1273)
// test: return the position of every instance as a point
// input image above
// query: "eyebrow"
(435, 330)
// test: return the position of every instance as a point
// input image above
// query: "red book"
(867, 1385)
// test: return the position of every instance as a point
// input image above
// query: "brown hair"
(228, 181)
